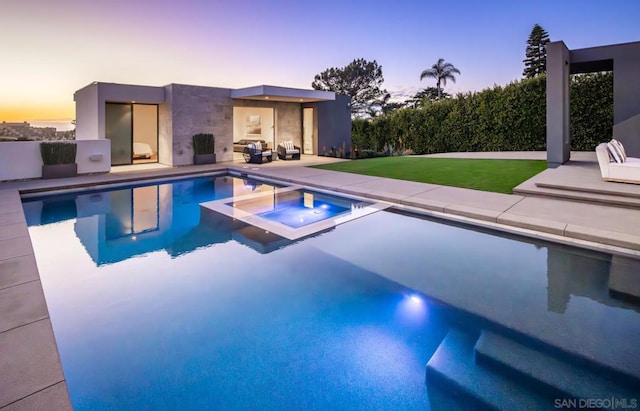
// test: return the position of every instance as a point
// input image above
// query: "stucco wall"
(87, 112)
(22, 160)
(626, 98)
(625, 61)
(558, 143)
(334, 124)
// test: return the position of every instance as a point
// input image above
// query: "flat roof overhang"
(273, 93)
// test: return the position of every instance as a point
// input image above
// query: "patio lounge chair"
(287, 151)
(615, 165)
(253, 153)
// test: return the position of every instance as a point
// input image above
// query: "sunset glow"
(50, 49)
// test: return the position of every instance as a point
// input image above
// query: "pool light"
(416, 298)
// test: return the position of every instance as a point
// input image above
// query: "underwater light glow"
(412, 310)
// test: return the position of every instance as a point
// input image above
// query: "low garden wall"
(21, 159)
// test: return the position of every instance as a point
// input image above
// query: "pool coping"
(224, 207)
(31, 366)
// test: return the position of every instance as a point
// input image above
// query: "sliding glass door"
(119, 129)
(133, 131)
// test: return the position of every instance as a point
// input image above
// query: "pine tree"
(536, 61)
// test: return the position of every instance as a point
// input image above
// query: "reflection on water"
(573, 272)
(119, 224)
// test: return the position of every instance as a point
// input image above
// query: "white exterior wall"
(21, 159)
(91, 100)
(87, 124)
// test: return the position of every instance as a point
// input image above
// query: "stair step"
(589, 197)
(610, 189)
(453, 369)
(560, 378)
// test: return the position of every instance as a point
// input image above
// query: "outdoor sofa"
(254, 153)
(238, 146)
(615, 165)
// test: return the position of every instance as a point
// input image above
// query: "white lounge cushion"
(266, 153)
(628, 171)
(296, 151)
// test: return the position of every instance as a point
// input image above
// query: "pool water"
(156, 308)
(299, 208)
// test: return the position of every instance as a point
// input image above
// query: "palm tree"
(442, 72)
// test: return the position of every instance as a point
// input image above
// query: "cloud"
(402, 93)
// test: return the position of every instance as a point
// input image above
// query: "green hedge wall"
(506, 118)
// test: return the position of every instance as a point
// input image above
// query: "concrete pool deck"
(29, 361)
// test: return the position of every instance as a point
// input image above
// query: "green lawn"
(499, 176)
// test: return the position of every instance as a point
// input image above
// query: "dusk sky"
(50, 48)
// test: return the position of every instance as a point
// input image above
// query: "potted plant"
(58, 159)
(204, 149)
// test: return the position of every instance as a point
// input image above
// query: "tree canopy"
(535, 62)
(361, 80)
(441, 71)
(424, 95)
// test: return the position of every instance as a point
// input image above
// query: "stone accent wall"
(190, 110)
(197, 109)
(288, 118)
(165, 129)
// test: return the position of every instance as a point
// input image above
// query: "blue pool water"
(299, 208)
(154, 307)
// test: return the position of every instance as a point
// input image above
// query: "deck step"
(610, 188)
(455, 381)
(574, 195)
(559, 378)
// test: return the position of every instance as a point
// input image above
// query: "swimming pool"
(155, 307)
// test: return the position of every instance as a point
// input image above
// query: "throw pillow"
(288, 145)
(614, 152)
(620, 149)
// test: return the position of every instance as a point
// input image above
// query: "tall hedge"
(509, 118)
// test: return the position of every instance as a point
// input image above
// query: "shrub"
(58, 153)
(203, 143)
(512, 117)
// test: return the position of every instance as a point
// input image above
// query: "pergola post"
(558, 139)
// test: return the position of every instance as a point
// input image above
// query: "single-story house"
(145, 123)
